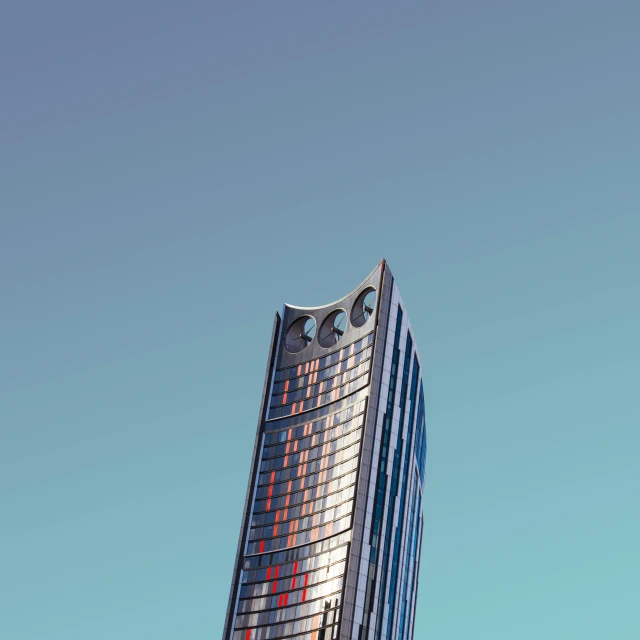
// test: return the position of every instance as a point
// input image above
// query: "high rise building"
(332, 525)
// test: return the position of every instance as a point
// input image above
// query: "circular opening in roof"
(332, 328)
(363, 307)
(300, 334)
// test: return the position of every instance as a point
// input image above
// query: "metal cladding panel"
(323, 444)
(355, 592)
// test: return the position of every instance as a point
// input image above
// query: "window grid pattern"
(413, 516)
(292, 582)
(298, 419)
(301, 443)
(326, 361)
(293, 384)
(312, 387)
(381, 485)
(421, 448)
(416, 570)
(316, 401)
(297, 544)
(393, 494)
(399, 532)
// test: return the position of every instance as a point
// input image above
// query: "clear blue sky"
(171, 173)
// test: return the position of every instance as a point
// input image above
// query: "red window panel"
(269, 573)
(262, 546)
(275, 586)
(248, 636)
(295, 567)
(277, 571)
(304, 595)
(269, 504)
(293, 583)
(306, 580)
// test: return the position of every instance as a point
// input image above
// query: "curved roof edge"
(380, 264)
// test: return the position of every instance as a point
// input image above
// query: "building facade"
(331, 532)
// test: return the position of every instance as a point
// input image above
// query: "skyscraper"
(332, 526)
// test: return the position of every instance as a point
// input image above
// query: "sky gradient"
(171, 173)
